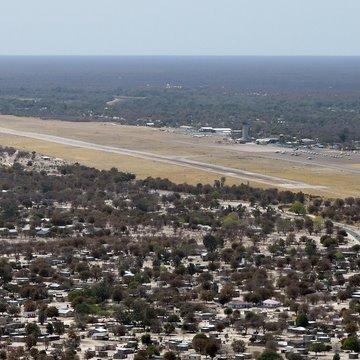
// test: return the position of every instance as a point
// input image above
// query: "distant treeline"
(316, 98)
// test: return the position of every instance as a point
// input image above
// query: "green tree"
(210, 242)
(117, 294)
(199, 342)
(269, 355)
(52, 311)
(14, 310)
(293, 356)
(302, 320)
(238, 346)
(3, 307)
(50, 328)
(6, 272)
(226, 294)
(30, 306)
(141, 355)
(59, 327)
(72, 342)
(228, 311)
(319, 347)
(351, 343)
(9, 209)
(212, 347)
(169, 328)
(33, 329)
(173, 318)
(170, 355)
(253, 320)
(146, 339)
(42, 315)
(152, 350)
(30, 341)
(101, 291)
(351, 328)
(231, 220)
(298, 208)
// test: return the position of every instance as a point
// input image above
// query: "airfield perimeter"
(164, 153)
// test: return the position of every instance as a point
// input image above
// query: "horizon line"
(173, 55)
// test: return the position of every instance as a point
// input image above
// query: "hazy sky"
(180, 27)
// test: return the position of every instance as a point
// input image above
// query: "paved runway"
(180, 161)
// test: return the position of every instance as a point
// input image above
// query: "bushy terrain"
(311, 97)
(93, 257)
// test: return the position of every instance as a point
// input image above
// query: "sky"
(180, 27)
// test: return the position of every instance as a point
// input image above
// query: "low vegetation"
(164, 269)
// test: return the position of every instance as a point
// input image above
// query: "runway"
(180, 161)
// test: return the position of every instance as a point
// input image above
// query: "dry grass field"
(327, 178)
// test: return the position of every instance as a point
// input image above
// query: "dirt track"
(180, 161)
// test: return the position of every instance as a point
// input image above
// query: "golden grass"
(337, 183)
(142, 168)
(283, 169)
(130, 137)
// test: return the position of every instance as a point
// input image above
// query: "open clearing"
(181, 158)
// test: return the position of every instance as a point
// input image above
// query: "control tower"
(245, 131)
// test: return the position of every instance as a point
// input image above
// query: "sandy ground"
(181, 158)
(182, 161)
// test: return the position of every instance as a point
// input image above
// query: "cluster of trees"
(320, 101)
(342, 210)
(246, 246)
(206, 345)
(316, 114)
